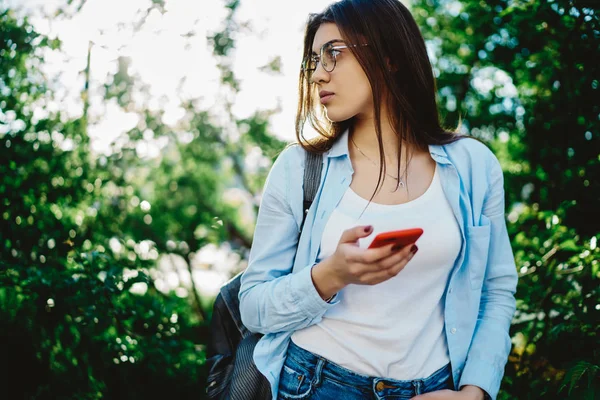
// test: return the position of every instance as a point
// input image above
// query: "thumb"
(353, 234)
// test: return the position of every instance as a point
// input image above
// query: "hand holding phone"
(350, 264)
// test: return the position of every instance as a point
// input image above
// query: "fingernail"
(368, 229)
(414, 249)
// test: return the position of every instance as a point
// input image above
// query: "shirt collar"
(340, 148)
(438, 153)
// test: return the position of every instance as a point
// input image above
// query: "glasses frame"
(326, 47)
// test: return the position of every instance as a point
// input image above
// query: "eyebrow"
(330, 42)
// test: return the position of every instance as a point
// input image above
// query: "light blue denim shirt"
(277, 295)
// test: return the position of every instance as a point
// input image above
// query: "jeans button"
(380, 386)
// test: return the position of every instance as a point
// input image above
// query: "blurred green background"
(107, 258)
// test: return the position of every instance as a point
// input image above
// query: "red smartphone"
(402, 237)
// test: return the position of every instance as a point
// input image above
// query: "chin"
(337, 115)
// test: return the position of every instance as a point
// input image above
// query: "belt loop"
(318, 371)
(418, 386)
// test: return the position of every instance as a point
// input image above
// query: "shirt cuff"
(306, 295)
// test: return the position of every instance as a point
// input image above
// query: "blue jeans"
(306, 375)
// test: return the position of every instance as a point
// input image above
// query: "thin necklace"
(375, 164)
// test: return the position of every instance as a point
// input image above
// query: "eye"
(333, 53)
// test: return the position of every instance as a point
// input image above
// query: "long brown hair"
(409, 86)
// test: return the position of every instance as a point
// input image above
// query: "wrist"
(474, 392)
(326, 284)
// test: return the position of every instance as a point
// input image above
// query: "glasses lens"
(328, 57)
(309, 66)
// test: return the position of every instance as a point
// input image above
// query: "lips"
(325, 96)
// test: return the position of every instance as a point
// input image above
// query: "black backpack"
(232, 373)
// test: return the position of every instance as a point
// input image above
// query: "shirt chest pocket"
(478, 244)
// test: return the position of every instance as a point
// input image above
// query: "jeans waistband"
(322, 366)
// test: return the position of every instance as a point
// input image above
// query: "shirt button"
(453, 331)
(380, 386)
(450, 290)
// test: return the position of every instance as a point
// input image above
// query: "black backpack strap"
(312, 178)
(230, 290)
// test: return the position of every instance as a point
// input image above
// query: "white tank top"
(394, 329)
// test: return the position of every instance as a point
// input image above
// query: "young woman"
(341, 321)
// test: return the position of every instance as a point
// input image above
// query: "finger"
(355, 256)
(427, 396)
(370, 256)
(395, 269)
(437, 395)
(382, 275)
(376, 277)
(353, 234)
(397, 256)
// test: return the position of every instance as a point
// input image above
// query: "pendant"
(401, 185)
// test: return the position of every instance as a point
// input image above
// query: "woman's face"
(352, 95)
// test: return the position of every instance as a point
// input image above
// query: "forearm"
(284, 304)
(491, 343)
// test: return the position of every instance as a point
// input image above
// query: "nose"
(319, 75)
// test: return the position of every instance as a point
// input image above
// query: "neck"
(364, 135)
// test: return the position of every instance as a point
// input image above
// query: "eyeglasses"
(327, 58)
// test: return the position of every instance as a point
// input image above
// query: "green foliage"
(557, 308)
(79, 333)
(68, 319)
(575, 375)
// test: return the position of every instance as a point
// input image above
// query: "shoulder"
(476, 164)
(294, 156)
(287, 167)
(284, 181)
(472, 154)
(290, 159)
(293, 152)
